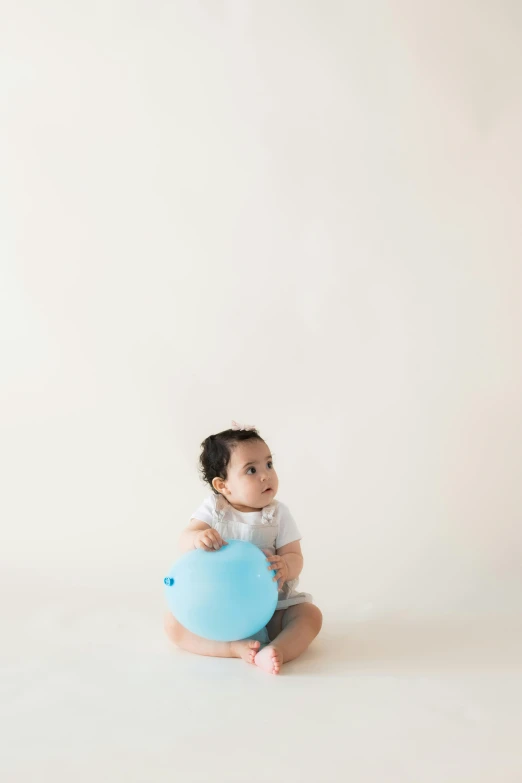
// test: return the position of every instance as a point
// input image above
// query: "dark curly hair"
(216, 451)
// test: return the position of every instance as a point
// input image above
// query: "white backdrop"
(302, 215)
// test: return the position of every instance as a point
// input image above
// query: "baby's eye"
(270, 464)
(248, 471)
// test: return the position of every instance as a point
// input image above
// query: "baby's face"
(251, 478)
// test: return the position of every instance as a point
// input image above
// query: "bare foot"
(270, 659)
(245, 649)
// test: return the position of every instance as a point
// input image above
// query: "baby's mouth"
(268, 489)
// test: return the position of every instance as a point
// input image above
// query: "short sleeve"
(288, 530)
(205, 513)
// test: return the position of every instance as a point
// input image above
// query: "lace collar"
(222, 506)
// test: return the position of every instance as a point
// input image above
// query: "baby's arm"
(199, 535)
(287, 562)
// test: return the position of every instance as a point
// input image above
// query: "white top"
(270, 528)
(285, 529)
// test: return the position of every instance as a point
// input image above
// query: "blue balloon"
(225, 595)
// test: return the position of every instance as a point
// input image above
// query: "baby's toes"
(245, 649)
(277, 661)
(254, 649)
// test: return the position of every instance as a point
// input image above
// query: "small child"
(237, 464)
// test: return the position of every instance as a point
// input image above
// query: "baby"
(237, 464)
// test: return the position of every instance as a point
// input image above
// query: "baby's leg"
(245, 648)
(299, 625)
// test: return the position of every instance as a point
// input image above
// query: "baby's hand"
(280, 566)
(209, 540)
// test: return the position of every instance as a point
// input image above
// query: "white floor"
(92, 691)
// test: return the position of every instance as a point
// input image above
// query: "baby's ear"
(218, 484)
